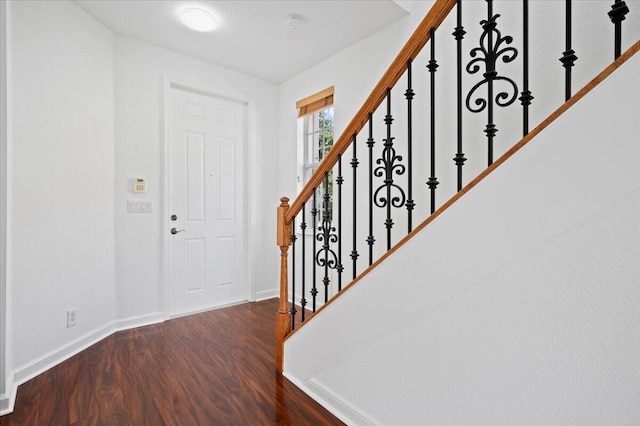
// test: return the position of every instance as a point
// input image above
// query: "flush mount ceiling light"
(198, 19)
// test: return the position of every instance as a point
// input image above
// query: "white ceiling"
(253, 36)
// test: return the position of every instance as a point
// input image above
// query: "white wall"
(540, 328)
(140, 71)
(61, 180)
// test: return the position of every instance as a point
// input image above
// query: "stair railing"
(385, 204)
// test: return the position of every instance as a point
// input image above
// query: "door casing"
(250, 160)
(5, 307)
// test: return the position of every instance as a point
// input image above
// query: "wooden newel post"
(283, 318)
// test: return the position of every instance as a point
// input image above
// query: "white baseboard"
(139, 321)
(205, 309)
(7, 400)
(267, 294)
(333, 402)
(38, 366)
(45, 362)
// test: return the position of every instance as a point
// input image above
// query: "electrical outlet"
(72, 317)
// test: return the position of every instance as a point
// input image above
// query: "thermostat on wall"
(139, 185)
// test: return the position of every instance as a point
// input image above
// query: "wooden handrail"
(411, 49)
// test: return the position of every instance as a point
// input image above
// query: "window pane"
(325, 118)
(308, 172)
(313, 148)
(321, 144)
(326, 141)
(313, 122)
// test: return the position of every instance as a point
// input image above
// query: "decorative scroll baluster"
(525, 98)
(459, 33)
(293, 309)
(339, 181)
(354, 166)
(370, 143)
(303, 229)
(432, 183)
(389, 165)
(491, 50)
(409, 94)
(314, 222)
(325, 257)
(569, 55)
(617, 14)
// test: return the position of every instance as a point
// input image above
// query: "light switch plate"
(139, 206)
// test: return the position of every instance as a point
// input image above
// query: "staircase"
(516, 299)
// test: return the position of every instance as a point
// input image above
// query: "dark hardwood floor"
(214, 368)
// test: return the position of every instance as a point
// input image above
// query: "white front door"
(206, 190)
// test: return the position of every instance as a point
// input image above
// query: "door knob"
(175, 231)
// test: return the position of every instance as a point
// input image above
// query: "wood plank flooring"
(214, 368)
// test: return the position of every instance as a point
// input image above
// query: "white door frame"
(5, 385)
(250, 200)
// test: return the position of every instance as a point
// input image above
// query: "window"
(315, 134)
(318, 140)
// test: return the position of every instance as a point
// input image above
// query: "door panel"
(195, 264)
(226, 183)
(195, 197)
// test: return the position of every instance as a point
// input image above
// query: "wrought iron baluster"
(525, 98)
(354, 166)
(303, 229)
(325, 257)
(617, 14)
(370, 143)
(293, 274)
(459, 33)
(388, 143)
(490, 129)
(339, 182)
(432, 183)
(409, 94)
(491, 50)
(314, 222)
(388, 165)
(569, 55)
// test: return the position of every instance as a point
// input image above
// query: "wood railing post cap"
(284, 202)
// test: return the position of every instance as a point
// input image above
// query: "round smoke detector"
(295, 22)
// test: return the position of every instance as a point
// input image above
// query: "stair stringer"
(581, 163)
